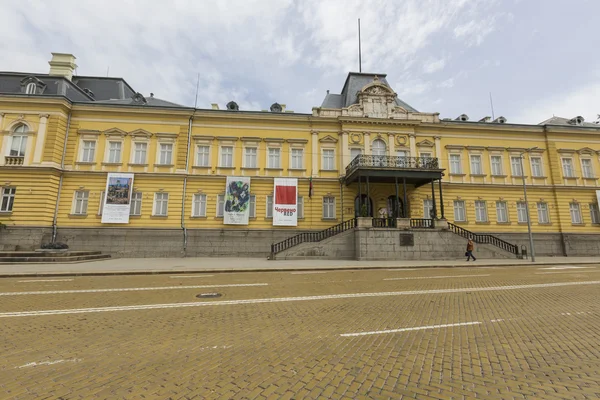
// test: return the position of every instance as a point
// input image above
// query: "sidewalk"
(142, 266)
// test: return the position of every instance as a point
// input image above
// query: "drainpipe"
(342, 197)
(62, 168)
(187, 160)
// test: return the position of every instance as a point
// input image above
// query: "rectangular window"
(81, 202)
(459, 211)
(516, 167)
(497, 165)
(594, 213)
(269, 212)
(252, 213)
(542, 209)
(166, 154)
(114, 152)
(8, 199)
(586, 168)
(199, 205)
(355, 153)
(300, 207)
(227, 157)
(567, 164)
(220, 205)
(476, 165)
(575, 211)
(328, 207)
(136, 204)
(536, 167)
(161, 203)
(250, 157)
(502, 211)
(139, 152)
(521, 212)
(274, 158)
(18, 145)
(202, 156)
(455, 165)
(297, 158)
(328, 160)
(481, 211)
(89, 151)
(427, 208)
(424, 160)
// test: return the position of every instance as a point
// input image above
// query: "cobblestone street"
(501, 332)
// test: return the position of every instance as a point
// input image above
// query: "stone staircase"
(50, 257)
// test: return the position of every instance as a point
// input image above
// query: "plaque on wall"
(407, 239)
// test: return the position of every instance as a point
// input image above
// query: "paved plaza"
(442, 333)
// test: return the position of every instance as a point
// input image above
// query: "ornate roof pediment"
(115, 132)
(425, 143)
(586, 150)
(141, 133)
(328, 139)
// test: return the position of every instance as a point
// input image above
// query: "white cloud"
(434, 66)
(448, 83)
(475, 31)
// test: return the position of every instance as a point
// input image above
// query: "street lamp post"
(527, 204)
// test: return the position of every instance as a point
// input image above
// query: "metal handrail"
(484, 239)
(312, 236)
(397, 162)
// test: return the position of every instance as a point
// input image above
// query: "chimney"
(62, 64)
(215, 106)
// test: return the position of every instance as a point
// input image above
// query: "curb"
(276, 269)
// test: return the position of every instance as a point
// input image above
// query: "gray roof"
(150, 101)
(567, 122)
(354, 83)
(105, 88)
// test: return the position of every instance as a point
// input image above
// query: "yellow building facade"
(58, 147)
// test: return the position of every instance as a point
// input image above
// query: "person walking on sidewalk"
(470, 248)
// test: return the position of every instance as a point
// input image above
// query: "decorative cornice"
(227, 138)
(569, 151)
(425, 143)
(475, 147)
(297, 140)
(586, 150)
(455, 146)
(202, 137)
(115, 132)
(250, 139)
(495, 148)
(141, 133)
(328, 139)
(88, 132)
(277, 140)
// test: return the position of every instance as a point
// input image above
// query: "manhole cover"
(208, 295)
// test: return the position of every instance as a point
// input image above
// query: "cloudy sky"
(538, 58)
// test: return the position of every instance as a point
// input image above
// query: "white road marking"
(566, 267)
(189, 276)
(131, 289)
(35, 364)
(307, 272)
(289, 299)
(564, 272)
(434, 277)
(47, 280)
(415, 328)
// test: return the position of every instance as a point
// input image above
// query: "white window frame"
(328, 207)
(297, 161)
(537, 170)
(80, 202)
(251, 157)
(22, 148)
(220, 205)
(165, 154)
(109, 150)
(516, 168)
(134, 203)
(199, 205)
(542, 209)
(88, 153)
(223, 156)
(273, 158)
(376, 151)
(476, 167)
(252, 211)
(354, 152)
(427, 208)
(502, 211)
(328, 159)
(140, 155)
(31, 88)
(497, 168)
(203, 157)
(521, 212)
(567, 168)
(300, 206)
(481, 213)
(575, 211)
(459, 207)
(455, 164)
(594, 213)
(587, 172)
(163, 205)
(8, 195)
(269, 207)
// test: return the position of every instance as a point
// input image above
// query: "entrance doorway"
(395, 208)
(367, 201)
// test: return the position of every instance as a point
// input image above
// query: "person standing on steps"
(470, 248)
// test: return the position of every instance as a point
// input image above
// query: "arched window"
(379, 148)
(19, 140)
(31, 88)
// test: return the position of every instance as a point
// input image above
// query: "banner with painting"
(237, 201)
(285, 202)
(117, 198)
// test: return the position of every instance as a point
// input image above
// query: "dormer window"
(577, 120)
(32, 85)
(31, 88)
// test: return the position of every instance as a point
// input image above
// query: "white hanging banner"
(117, 199)
(237, 201)
(285, 202)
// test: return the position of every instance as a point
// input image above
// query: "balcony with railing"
(416, 170)
(13, 160)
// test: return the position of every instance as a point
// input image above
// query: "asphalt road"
(506, 332)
